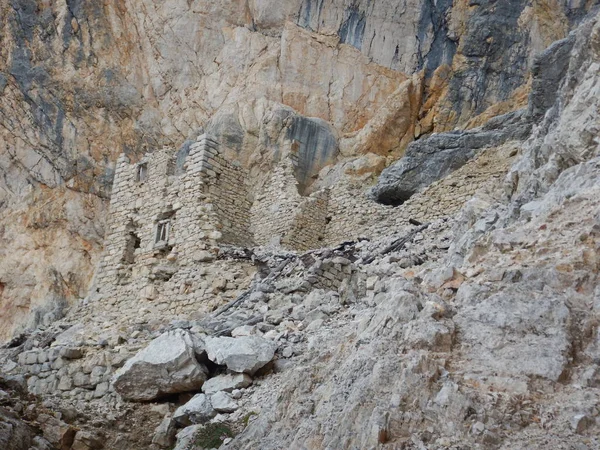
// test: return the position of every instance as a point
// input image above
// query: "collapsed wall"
(281, 216)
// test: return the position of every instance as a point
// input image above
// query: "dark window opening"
(2, 286)
(171, 166)
(162, 231)
(142, 172)
(133, 243)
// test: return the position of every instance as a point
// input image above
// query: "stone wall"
(274, 206)
(163, 230)
(307, 228)
(352, 214)
(227, 187)
(281, 216)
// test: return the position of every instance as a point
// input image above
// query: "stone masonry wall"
(204, 206)
(352, 214)
(274, 207)
(307, 228)
(226, 182)
(208, 205)
(281, 216)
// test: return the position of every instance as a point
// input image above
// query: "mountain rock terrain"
(474, 326)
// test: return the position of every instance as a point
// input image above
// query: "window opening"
(162, 231)
(133, 243)
(142, 172)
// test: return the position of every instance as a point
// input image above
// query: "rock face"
(244, 354)
(322, 81)
(167, 366)
(433, 158)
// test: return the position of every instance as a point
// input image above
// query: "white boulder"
(223, 403)
(198, 410)
(244, 354)
(167, 365)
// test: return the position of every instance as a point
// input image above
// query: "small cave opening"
(214, 369)
(393, 198)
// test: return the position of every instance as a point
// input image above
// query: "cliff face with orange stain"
(81, 82)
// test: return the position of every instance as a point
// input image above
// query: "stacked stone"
(176, 275)
(273, 211)
(329, 273)
(353, 214)
(448, 195)
(67, 372)
(307, 229)
(229, 191)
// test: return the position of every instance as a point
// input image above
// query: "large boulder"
(245, 354)
(168, 365)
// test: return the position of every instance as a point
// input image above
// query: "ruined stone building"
(170, 213)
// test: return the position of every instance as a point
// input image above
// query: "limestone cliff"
(82, 82)
(171, 169)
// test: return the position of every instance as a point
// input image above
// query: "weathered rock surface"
(227, 383)
(244, 354)
(14, 433)
(433, 158)
(198, 410)
(478, 330)
(167, 366)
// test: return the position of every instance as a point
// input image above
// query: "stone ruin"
(170, 213)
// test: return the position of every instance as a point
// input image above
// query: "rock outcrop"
(167, 366)
(431, 159)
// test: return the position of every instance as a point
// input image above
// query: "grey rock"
(223, 402)
(581, 422)
(102, 389)
(198, 410)
(88, 440)
(243, 354)
(167, 365)
(429, 334)
(81, 379)
(531, 325)
(164, 434)
(71, 352)
(548, 71)
(186, 437)
(236, 394)
(430, 159)
(227, 383)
